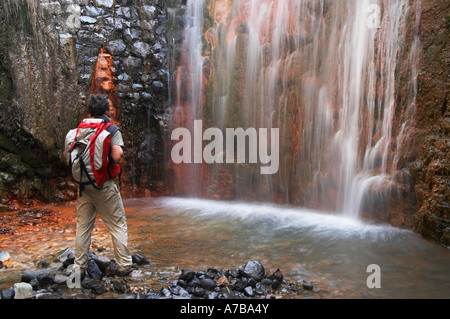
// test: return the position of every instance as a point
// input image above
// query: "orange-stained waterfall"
(325, 73)
(103, 82)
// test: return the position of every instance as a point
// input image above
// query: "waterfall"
(324, 72)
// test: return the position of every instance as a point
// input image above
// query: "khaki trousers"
(108, 203)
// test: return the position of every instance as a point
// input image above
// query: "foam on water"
(290, 218)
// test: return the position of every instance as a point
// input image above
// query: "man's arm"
(117, 153)
(117, 147)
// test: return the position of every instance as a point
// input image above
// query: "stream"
(332, 251)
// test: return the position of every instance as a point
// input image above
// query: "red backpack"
(88, 153)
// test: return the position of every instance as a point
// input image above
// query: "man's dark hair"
(98, 104)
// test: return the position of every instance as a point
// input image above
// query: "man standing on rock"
(104, 197)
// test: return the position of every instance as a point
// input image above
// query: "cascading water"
(324, 72)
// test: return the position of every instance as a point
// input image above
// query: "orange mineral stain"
(103, 82)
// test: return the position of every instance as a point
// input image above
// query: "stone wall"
(46, 70)
(134, 33)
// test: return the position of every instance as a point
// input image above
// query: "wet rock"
(8, 293)
(275, 284)
(213, 295)
(194, 282)
(4, 257)
(46, 295)
(182, 283)
(251, 282)
(212, 273)
(60, 279)
(118, 286)
(254, 269)
(222, 281)
(275, 274)
(179, 291)
(111, 269)
(308, 285)
(28, 276)
(45, 277)
(213, 270)
(249, 291)
(198, 292)
(266, 282)
(22, 290)
(140, 259)
(152, 295)
(233, 273)
(63, 255)
(146, 96)
(140, 296)
(69, 261)
(208, 284)
(101, 261)
(240, 284)
(96, 286)
(187, 275)
(34, 283)
(166, 292)
(93, 270)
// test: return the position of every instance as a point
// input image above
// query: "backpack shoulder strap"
(112, 129)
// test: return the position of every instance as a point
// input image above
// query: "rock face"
(430, 166)
(43, 92)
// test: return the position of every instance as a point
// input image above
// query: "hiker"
(98, 191)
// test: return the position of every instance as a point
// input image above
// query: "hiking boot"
(127, 271)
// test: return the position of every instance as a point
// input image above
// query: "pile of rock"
(250, 281)
(102, 278)
(50, 283)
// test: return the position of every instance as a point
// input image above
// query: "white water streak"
(344, 89)
(302, 220)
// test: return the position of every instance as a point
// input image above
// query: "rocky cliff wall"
(419, 199)
(48, 53)
(430, 146)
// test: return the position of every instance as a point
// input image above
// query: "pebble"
(308, 285)
(22, 290)
(4, 256)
